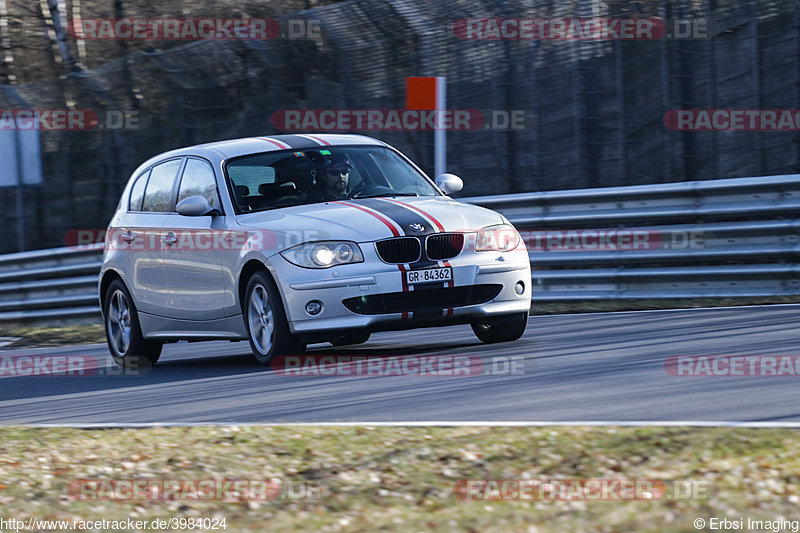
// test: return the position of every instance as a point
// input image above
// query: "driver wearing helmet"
(334, 175)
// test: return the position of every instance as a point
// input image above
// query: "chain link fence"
(596, 107)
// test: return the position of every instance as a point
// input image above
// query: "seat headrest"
(295, 170)
(279, 189)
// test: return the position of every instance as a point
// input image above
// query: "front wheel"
(127, 345)
(502, 328)
(267, 327)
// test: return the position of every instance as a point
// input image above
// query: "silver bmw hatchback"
(295, 239)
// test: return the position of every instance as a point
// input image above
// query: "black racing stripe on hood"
(401, 215)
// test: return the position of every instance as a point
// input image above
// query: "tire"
(351, 338)
(265, 320)
(127, 345)
(502, 328)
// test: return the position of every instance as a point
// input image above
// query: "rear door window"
(137, 192)
(159, 188)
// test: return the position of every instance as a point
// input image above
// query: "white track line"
(782, 306)
(605, 423)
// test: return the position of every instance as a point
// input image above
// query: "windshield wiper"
(391, 195)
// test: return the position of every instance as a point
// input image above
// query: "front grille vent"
(444, 245)
(399, 250)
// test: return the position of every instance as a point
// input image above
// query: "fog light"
(314, 307)
(519, 288)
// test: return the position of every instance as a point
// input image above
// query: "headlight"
(499, 238)
(323, 254)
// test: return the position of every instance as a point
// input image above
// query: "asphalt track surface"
(599, 367)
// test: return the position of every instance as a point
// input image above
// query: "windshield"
(282, 179)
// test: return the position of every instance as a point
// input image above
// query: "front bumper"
(373, 277)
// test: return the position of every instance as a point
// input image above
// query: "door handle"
(170, 239)
(128, 236)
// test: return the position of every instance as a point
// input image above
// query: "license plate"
(429, 275)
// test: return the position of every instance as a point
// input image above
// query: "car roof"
(223, 150)
(271, 143)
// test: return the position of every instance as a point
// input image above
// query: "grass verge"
(40, 336)
(402, 478)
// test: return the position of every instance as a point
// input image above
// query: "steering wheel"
(370, 189)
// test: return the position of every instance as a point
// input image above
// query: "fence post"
(20, 193)
(577, 98)
(756, 58)
(666, 103)
(536, 132)
(621, 126)
(711, 95)
(797, 73)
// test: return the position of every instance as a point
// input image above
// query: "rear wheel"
(502, 328)
(267, 327)
(127, 345)
(351, 338)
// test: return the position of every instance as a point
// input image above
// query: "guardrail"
(50, 285)
(720, 238)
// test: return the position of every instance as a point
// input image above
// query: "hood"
(369, 219)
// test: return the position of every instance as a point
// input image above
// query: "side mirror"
(196, 206)
(449, 183)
